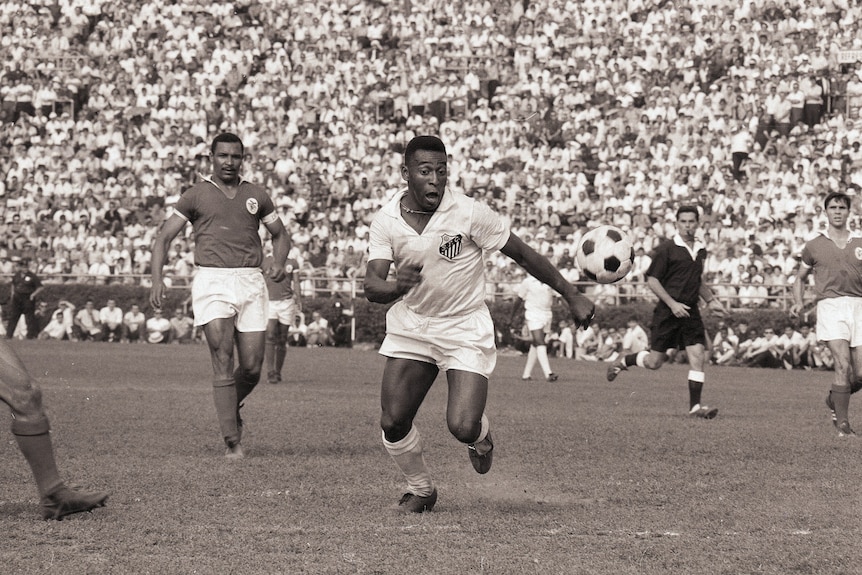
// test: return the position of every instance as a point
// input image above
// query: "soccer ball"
(605, 254)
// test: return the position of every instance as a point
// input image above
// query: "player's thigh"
(468, 394)
(405, 384)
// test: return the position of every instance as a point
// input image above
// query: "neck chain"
(417, 212)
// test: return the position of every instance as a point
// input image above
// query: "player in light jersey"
(536, 299)
(435, 238)
(835, 258)
(229, 296)
(284, 305)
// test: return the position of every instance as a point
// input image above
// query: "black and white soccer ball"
(605, 254)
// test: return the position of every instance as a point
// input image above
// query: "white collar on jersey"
(692, 250)
(211, 181)
(853, 235)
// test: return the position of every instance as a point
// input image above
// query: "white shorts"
(219, 293)
(284, 310)
(464, 343)
(840, 318)
(538, 320)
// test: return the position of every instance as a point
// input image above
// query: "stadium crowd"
(563, 114)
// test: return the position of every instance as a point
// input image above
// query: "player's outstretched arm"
(543, 270)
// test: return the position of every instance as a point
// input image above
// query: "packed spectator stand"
(564, 115)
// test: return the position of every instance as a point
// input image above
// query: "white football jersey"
(449, 250)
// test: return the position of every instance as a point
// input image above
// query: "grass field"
(588, 478)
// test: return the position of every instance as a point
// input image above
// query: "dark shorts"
(671, 332)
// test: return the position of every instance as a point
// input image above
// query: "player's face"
(837, 212)
(686, 225)
(426, 175)
(227, 161)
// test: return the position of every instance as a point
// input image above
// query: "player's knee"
(465, 431)
(26, 403)
(394, 430)
(247, 375)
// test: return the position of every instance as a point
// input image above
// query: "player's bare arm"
(169, 231)
(379, 289)
(799, 291)
(678, 309)
(543, 270)
(280, 249)
(712, 302)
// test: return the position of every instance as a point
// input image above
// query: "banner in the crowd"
(849, 56)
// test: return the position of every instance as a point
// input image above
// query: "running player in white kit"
(436, 238)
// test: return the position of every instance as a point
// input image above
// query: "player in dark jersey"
(675, 276)
(229, 296)
(835, 258)
(284, 305)
(31, 430)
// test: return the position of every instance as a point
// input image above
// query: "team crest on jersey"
(450, 246)
(858, 253)
(251, 205)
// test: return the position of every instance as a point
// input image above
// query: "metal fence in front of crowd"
(734, 296)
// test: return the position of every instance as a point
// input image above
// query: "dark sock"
(841, 401)
(34, 442)
(694, 389)
(225, 396)
(630, 360)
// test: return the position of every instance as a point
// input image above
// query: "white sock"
(483, 433)
(542, 354)
(531, 362)
(407, 455)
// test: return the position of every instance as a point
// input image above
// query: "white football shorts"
(464, 343)
(538, 320)
(840, 318)
(284, 310)
(230, 292)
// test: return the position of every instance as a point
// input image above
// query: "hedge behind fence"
(370, 317)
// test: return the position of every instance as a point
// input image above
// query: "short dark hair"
(688, 209)
(226, 137)
(840, 196)
(430, 143)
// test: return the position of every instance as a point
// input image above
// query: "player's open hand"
(679, 309)
(157, 295)
(407, 277)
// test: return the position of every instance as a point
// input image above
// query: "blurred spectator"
(87, 325)
(111, 319)
(158, 328)
(318, 333)
(61, 323)
(297, 336)
(182, 327)
(134, 323)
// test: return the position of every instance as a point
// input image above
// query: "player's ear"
(404, 172)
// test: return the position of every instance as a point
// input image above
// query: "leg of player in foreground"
(231, 386)
(31, 430)
(406, 382)
(276, 349)
(847, 382)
